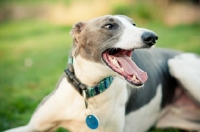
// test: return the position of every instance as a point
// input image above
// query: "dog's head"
(110, 41)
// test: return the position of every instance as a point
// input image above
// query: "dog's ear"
(78, 40)
(77, 28)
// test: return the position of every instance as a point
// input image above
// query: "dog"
(116, 82)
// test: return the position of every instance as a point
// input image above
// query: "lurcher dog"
(114, 84)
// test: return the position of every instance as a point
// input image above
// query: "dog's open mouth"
(119, 60)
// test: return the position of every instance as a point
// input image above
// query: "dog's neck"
(89, 73)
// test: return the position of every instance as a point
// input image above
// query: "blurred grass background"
(35, 41)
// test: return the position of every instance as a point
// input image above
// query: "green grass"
(23, 87)
(46, 46)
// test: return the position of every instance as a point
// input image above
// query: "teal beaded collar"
(90, 91)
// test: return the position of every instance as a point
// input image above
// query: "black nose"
(149, 38)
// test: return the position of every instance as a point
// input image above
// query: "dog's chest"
(109, 107)
(143, 118)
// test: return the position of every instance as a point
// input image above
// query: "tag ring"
(89, 111)
(85, 98)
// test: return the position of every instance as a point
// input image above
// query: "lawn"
(33, 55)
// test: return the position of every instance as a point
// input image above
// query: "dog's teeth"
(121, 69)
(137, 80)
(110, 58)
(117, 65)
(134, 77)
(114, 61)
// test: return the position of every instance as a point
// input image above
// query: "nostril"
(156, 37)
(149, 38)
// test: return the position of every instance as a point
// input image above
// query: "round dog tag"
(92, 121)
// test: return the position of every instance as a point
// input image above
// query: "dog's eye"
(109, 26)
(134, 24)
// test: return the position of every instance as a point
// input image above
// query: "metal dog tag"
(92, 121)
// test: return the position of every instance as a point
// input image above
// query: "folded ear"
(77, 28)
(78, 38)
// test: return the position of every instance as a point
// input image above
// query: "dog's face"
(110, 41)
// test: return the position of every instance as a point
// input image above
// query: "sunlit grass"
(33, 54)
(45, 47)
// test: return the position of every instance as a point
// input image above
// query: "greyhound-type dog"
(115, 84)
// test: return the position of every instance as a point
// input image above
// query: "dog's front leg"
(29, 128)
(52, 110)
(45, 118)
(21, 129)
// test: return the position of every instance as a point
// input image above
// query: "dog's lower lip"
(136, 84)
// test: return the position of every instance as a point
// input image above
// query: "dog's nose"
(149, 38)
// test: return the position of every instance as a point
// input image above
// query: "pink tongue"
(131, 68)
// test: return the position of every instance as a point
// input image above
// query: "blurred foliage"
(24, 2)
(141, 9)
(23, 86)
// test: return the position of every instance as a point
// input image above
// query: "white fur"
(131, 37)
(145, 117)
(185, 68)
(109, 107)
(66, 106)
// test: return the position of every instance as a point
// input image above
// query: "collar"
(90, 91)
